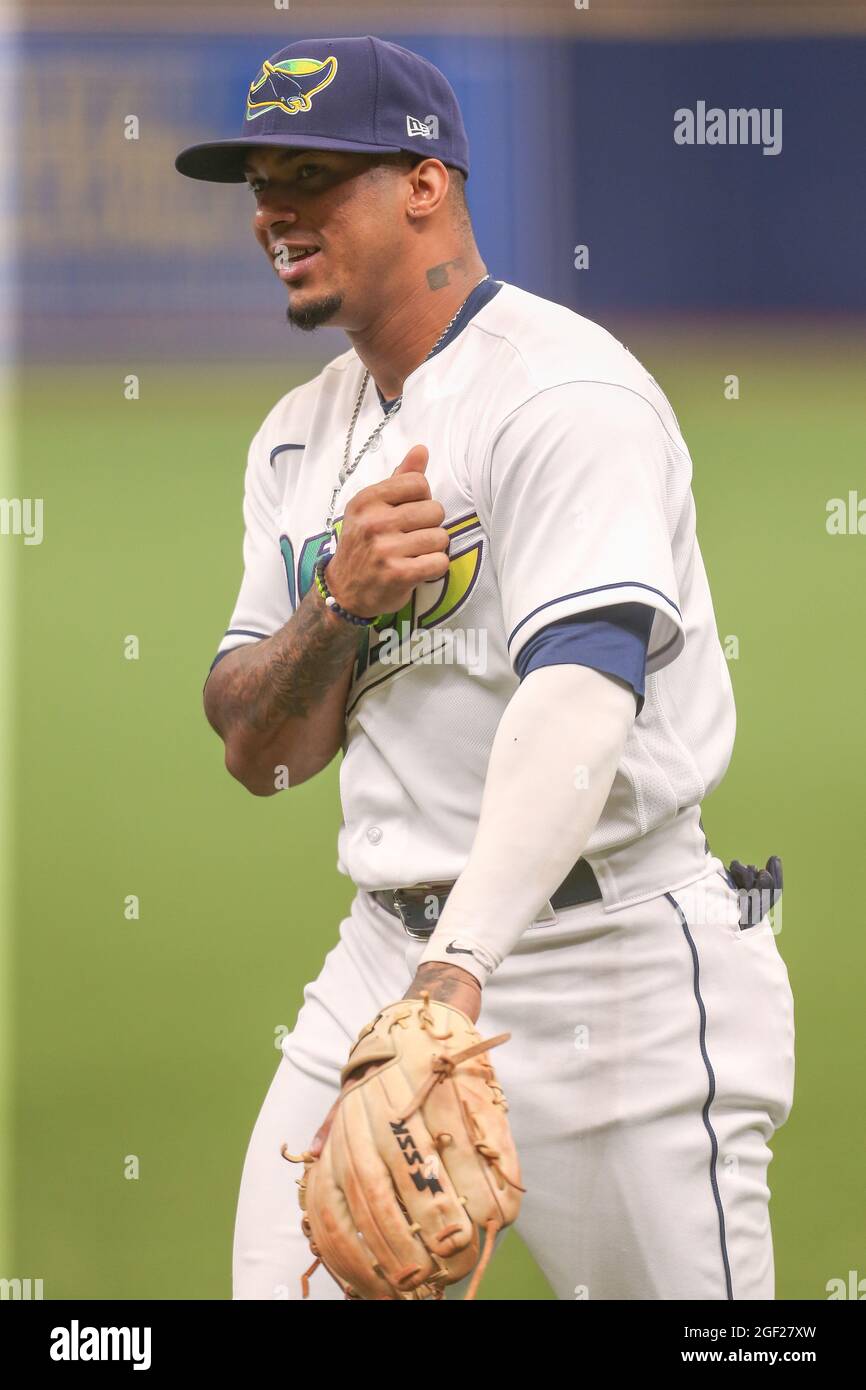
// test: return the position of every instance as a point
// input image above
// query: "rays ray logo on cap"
(277, 86)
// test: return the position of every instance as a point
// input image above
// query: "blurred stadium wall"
(570, 114)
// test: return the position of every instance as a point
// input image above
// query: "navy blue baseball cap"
(361, 94)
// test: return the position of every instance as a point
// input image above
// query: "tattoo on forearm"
(437, 275)
(445, 982)
(315, 660)
(299, 669)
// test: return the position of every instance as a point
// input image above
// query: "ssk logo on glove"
(422, 1175)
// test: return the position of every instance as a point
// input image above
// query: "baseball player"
(470, 565)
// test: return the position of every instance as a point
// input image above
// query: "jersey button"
(374, 834)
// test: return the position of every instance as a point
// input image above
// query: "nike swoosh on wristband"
(452, 950)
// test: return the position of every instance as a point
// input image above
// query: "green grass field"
(156, 1037)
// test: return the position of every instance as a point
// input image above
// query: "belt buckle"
(402, 907)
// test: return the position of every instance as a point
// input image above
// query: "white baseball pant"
(651, 1059)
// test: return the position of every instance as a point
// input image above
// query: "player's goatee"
(314, 315)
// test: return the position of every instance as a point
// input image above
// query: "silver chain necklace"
(348, 468)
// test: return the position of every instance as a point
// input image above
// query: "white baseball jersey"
(566, 485)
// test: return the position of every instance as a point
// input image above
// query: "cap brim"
(222, 161)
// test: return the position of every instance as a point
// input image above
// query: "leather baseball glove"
(419, 1156)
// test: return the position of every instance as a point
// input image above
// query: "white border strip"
(8, 598)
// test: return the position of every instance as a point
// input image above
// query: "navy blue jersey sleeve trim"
(236, 632)
(613, 640)
(598, 588)
(219, 656)
(217, 659)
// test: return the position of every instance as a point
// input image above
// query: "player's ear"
(430, 180)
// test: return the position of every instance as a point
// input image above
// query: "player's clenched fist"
(392, 539)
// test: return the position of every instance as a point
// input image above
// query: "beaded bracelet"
(328, 597)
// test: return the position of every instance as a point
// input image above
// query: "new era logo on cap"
(428, 127)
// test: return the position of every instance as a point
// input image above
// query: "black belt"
(420, 906)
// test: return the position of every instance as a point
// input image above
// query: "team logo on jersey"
(288, 555)
(404, 638)
(281, 86)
